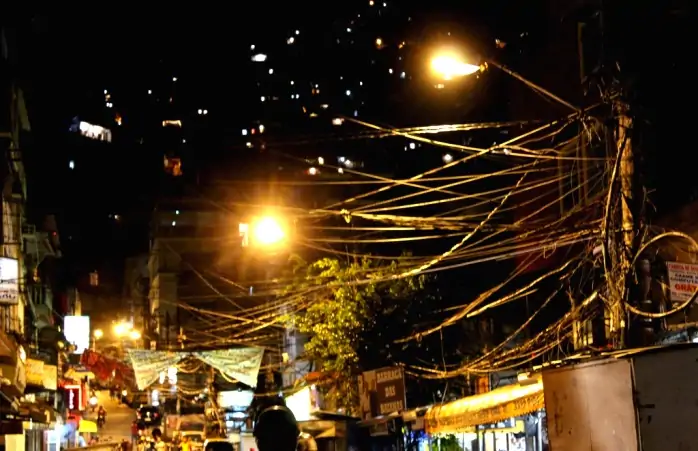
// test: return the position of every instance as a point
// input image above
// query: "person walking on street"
(134, 433)
(158, 443)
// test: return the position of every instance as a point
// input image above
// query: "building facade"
(29, 337)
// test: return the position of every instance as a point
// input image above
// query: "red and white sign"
(683, 280)
(73, 397)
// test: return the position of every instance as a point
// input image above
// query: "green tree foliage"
(344, 300)
(446, 443)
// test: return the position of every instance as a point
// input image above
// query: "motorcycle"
(100, 420)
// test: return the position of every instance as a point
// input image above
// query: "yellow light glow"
(449, 66)
(135, 335)
(269, 231)
(121, 329)
(99, 333)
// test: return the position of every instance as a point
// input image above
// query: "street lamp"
(96, 335)
(134, 335)
(449, 65)
(121, 329)
(269, 231)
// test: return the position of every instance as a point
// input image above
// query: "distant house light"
(94, 131)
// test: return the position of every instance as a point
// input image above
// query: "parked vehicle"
(149, 416)
(218, 444)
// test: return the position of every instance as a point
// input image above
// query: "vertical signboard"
(482, 384)
(73, 397)
(382, 392)
(9, 275)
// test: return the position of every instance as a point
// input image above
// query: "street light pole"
(450, 66)
(531, 85)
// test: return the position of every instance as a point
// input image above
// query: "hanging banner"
(147, 365)
(106, 368)
(241, 364)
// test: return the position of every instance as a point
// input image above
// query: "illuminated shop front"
(234, 405)
(38, 405)
(509, 417)
(327, 431)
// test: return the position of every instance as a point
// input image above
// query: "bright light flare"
(99, 333)
(121, 329)
(449, 66)
(134, 335)
(269, 231)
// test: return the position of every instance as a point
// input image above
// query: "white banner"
(147, 365)
(9, 276)
(241, 364)
(683, 280)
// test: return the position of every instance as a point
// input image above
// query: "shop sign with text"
(35, 372)
(9, 277)
(382, 392)
(41, 374)
(683, 281)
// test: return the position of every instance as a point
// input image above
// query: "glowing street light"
(268, 231)
(134, 335)
(121, 329)
(96, 335)
(449, 65)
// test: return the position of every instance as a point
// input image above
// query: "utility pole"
(579, 329)
(625, 247)
(213, 400)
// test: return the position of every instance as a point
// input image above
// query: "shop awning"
(87, 426)
(492, 407)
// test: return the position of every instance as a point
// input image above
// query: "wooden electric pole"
(625, 242)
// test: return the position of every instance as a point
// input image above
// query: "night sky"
(367, 58)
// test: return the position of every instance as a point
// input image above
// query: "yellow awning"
(492, 407)
(87, 426)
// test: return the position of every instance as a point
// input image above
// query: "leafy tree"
(446, 443)
(344, 300)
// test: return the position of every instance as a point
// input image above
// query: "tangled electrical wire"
(531, 204)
